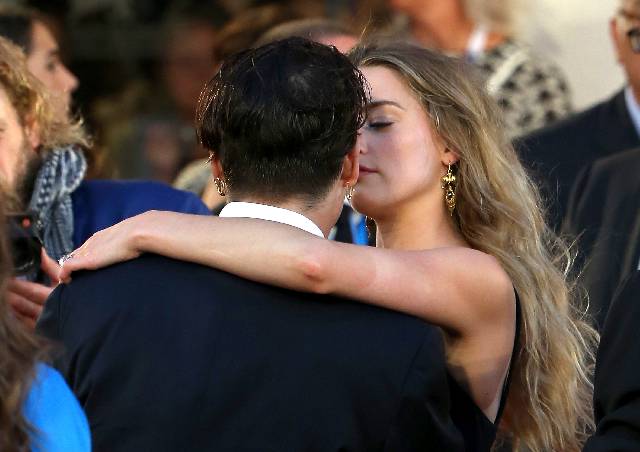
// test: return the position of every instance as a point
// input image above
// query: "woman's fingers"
(35, 292)
(27, 300)
(72, 262)
(27, 321)
(49, 266)
(104, 248)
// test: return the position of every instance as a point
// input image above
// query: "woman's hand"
(106, 247)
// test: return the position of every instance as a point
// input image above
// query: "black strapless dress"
(478, 431)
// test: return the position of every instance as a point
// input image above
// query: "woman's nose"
(361, 142)
(69, 81)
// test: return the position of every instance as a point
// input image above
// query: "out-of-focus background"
(574, 33)
(142, 63)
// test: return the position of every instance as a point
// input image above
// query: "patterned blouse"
(531, 91)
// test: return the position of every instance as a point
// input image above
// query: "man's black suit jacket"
(558, 153)
(604, 215)
(617, 382)
(165, 355)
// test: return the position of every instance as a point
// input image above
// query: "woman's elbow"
(314, 265)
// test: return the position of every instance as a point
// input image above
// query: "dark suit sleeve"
(49, 321)
(51, 326)
(423, 420)
(617, 381)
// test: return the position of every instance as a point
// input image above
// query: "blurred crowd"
(142, 65)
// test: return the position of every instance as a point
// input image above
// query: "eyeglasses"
(634, 32)
(628, 15)
(634, 39)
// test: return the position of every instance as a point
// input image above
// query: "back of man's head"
(281, 118)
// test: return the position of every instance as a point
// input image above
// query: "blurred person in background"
(617, 376)
(604, 216)
(558, 153)
(325, 31)
(38, 412)
(157, 140)
(29, 30)
(42, 169)
(531, 90)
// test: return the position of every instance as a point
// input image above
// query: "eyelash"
(379, 124)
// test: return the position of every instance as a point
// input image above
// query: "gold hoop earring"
(350, 190)
(221, 186)
(449, 186)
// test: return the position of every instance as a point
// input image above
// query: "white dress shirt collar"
(271, 213)
(633, 108)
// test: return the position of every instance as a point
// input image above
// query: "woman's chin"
(365, 205)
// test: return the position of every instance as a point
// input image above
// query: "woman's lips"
(366, 170)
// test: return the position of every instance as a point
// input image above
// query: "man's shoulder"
(157, 281)
(144, 274)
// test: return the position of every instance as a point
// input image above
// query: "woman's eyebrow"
(379, 103)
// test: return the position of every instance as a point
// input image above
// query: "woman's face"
(401, 158)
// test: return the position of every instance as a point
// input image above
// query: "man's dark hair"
(282, 117)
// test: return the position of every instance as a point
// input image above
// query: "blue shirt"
(53, 411)
(633, 108)
(98, 204)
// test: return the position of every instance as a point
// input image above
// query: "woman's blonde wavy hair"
(499, 212)
(31, 101)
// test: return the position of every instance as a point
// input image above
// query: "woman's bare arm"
(456, 288)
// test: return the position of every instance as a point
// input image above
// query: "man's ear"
(216, 166)
(350, 167)
(613, 32)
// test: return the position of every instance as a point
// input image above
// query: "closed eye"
(379, 124)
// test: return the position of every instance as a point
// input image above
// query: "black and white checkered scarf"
(61, 173)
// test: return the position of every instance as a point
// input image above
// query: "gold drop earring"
(449, 187)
